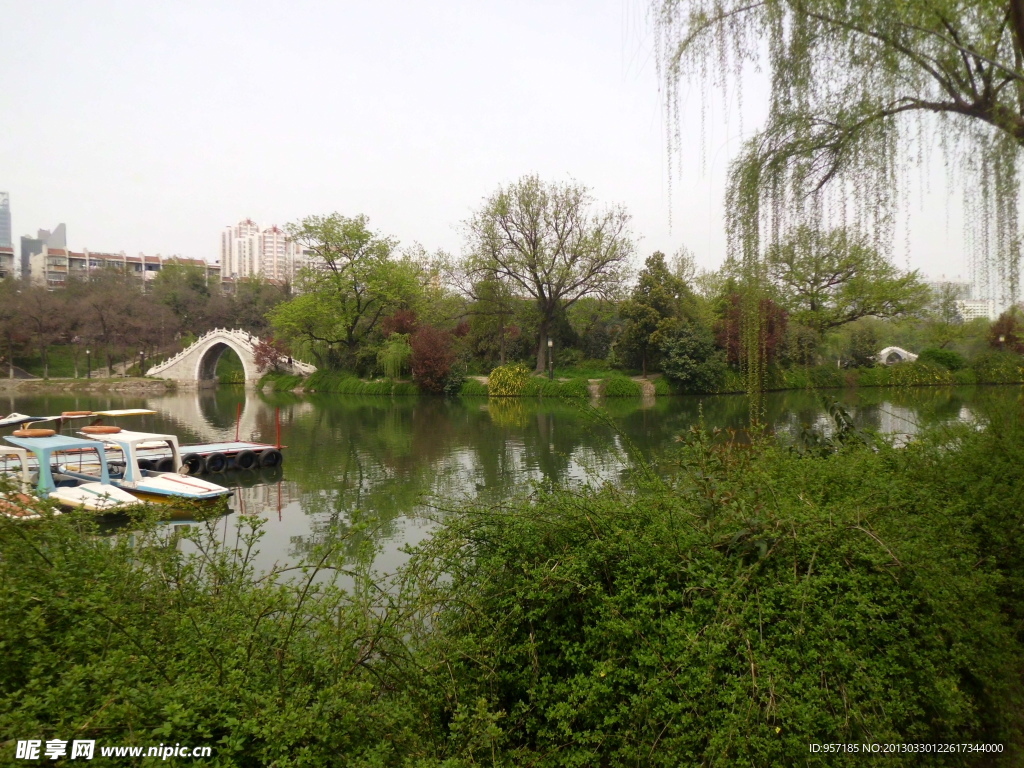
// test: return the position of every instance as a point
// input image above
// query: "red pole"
(277, 420)
(238, 420)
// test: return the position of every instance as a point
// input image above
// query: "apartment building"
(53, 267)
(249, 251)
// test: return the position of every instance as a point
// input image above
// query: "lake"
(404, 461)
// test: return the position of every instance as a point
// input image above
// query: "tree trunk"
(542, 348)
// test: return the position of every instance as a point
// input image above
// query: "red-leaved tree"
(401, 321)
(773, 329)
(432, 358)
(268, 354)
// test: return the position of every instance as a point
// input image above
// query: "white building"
(974, 308)
(248, 251)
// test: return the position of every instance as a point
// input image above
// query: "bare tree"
(547, 242)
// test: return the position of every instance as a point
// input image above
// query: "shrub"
(662, 387)
(473, 388)
(620, 386)
(691, 360)
(758, 603)
(998, 368)
(432, 359)
(948, 358)
(574, 388)
(402, 322)
(508, 380)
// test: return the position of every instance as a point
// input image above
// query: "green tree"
(654, 310)
(354, 281)
(183, 289)
(826, 280)
(844, 79)
(548, 243)
(943, 323)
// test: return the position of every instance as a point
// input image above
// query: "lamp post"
(142, 362)
(1002, 343)
(551, 359)
(88, 364)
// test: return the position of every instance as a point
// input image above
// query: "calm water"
(405, 460)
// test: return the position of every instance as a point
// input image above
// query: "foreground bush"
(757, 603)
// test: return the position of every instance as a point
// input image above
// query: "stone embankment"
(124, 386)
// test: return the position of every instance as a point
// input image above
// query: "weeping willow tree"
(860, 91)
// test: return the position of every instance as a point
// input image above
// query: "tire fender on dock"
(194, 463)
(271, 457)
(246, 459)
(216, 462)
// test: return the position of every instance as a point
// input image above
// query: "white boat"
(127, 449)
(56, 458)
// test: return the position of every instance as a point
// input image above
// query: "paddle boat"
(132, 471)
(16, 499)
(55, 460)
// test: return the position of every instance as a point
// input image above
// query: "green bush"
(540, 386)
(691, 360)
(662, 387)
(620, 386)
(947, 358)
(473, 388)
(574, 388)
(998, 368)
(508, 380)
(756, 604)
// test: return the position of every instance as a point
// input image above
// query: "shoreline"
(122, 385)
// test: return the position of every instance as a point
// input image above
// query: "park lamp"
(88, 363)
(551, 359)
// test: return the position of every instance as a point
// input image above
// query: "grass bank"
(993, 368)
(728, 607)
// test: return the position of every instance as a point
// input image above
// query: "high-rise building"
(35, 246)
(5, 221)
(248, 251)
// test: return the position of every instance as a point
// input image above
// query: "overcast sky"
(150, 126)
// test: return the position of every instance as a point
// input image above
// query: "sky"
(149, 127)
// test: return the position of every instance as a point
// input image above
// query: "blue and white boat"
(59, 462)
(168, 482)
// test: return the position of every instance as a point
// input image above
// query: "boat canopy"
(18, 457)
(43, 449)
(129, 444)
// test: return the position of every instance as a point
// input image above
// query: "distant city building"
(33, 246)
(247, 251)
(5, 221)
(960, 289)
(975, 308)
(53, 267)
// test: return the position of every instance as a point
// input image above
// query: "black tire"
(146, 464)
(271, 457)
(194, 463)
(246, 459)
(216, 462)
(165, 465)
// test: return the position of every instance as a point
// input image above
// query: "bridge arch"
(893, 355)
(210, 353)
(198, 362)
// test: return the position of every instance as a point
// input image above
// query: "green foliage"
(620, 386)
(508, 380)
(394, 355)
(574, 388)
(653, 312)
(357, 281)
(998, 368)
(662, 386)
(341, 383)
(954, 361)
(828, 279)
(691, 360)
(754, 604)
(473, 388)
(127, 640)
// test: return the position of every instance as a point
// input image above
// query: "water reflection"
(393, 460)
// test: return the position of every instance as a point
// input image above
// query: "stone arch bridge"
(198, 362)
